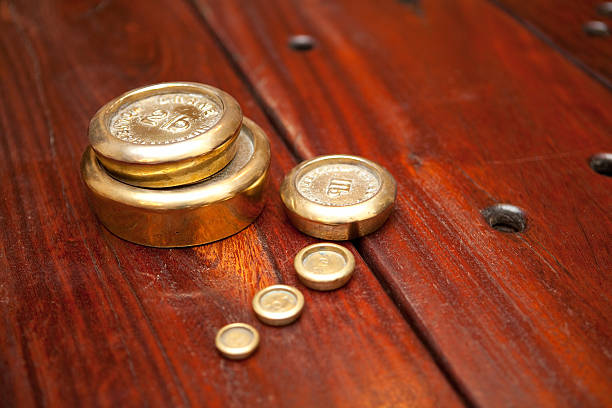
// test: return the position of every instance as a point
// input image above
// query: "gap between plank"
(420, 331)
(542, 36)
(277, 125)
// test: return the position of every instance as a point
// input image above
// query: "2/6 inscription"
(164, 119)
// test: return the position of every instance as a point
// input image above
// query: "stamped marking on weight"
(338, 187)
(164, 119)
(338, 184)
(324, 262)
(278, 301)
(321, 265)
(237, 337)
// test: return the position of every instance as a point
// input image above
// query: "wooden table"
(468, 103)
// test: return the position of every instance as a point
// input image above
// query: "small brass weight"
(338, 197)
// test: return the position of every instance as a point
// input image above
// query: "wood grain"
(91, 320)
(466, 108)
(561, 24)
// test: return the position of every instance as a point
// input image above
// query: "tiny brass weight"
(324, 266)
(278, 305)
(166, 135)
(237, 341)
(338, 197)
(194, 214)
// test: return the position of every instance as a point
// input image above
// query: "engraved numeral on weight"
(322, 264)
(278, 303)
(338, 187)
(236, 338)
(179, 122)
(160, 118)
(153, 118)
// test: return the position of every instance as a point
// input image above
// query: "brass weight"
(338, 197)
(188, 215)
(167, 134)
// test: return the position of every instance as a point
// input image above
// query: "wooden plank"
(562, 24)
(467, 109)
(91, 320)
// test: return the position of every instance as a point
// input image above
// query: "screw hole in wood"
(605, 8)
(505, 218)
(596, 29)
(301, 42)
(602, 163)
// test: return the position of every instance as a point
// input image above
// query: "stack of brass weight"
(175, 164)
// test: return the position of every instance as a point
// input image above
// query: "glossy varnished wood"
(91, 320)
(562, 24)
(467, 108)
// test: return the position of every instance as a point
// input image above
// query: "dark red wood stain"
(466, 108)
(562, 24)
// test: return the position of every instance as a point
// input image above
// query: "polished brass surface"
(166, 135)
(189, 215)
(237, 341)
(338, 197)
(278, 305)
(324, 266)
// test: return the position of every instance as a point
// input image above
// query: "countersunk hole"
(602, 163)
(505, 218)
(301, 42)
(596, 29)
(605, 8)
